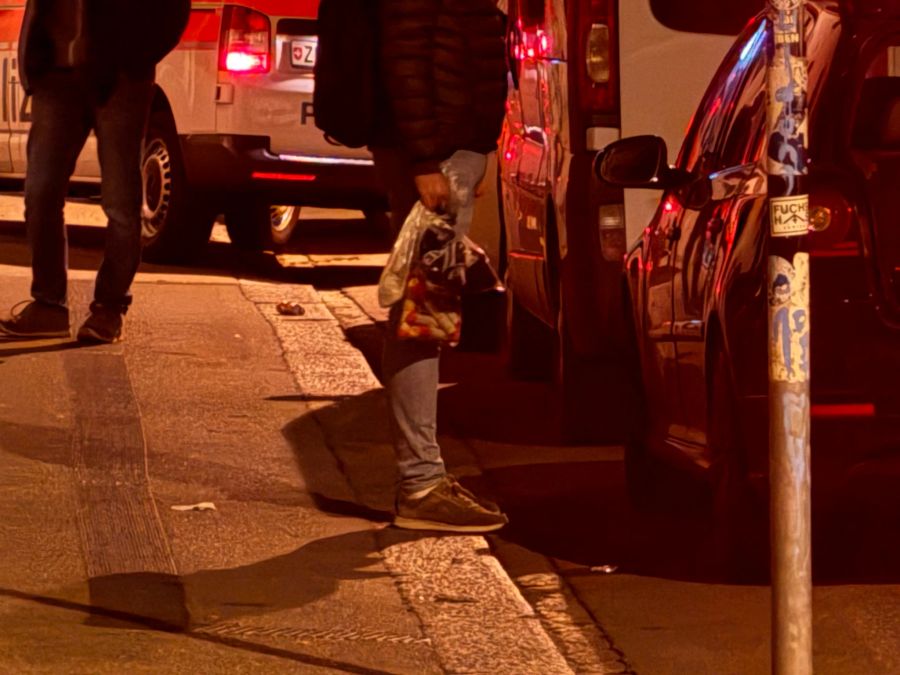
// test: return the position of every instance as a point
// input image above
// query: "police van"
(231, 130)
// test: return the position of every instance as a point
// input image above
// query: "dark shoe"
(103, 326)
(36, 320)
(447, 508)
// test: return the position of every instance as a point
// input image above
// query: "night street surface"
(279, 422)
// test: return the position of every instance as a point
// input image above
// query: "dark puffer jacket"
(443, 78)
(130, 36)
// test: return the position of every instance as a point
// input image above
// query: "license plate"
(303, 53)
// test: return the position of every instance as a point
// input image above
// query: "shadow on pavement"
(344, 453)
(169, 603)
(10, 347)
(322, 238)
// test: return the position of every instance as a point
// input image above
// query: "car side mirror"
(638, 162)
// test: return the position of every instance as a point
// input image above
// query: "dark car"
(696, 279)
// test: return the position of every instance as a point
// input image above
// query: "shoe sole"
(91, 338)
(417, 524)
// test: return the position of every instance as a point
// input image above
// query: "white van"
(585, 73)
(231, 130)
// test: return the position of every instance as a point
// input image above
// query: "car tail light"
(598, 78)
(246, 41)
(833, 225)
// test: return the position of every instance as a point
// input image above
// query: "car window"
(746, 129)
(701, 149)
(734, 134)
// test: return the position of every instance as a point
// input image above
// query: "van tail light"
(246, 41)
(599, 57)
(596, 76)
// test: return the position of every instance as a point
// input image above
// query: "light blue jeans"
(410, 367)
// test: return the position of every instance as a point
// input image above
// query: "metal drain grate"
(244, 631)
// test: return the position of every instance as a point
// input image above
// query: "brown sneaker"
(103, 326)
(447, 508)
(36, 320)
(486, 503)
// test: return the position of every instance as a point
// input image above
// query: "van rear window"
(706, 16)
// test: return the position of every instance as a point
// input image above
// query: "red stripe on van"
(10, 24)
(203, 26)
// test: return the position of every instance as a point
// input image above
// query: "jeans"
(64, 111)
(410, 367)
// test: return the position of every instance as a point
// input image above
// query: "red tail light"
(597, 66)
(246, 41)
(833, 225)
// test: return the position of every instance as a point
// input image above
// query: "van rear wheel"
(282, 223)
(529, 342)
(174, 226)
(578, 379)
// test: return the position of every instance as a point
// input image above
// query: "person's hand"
(434, 189)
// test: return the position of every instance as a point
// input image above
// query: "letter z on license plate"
(303, 52)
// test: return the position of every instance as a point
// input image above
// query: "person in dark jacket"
(88, 65)
(443, 75)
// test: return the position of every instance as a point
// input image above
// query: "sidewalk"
(277, 425)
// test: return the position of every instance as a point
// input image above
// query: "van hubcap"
(156, 173)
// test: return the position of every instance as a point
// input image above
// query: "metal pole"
(788, 338)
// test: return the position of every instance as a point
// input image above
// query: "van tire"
(528, 347)
(283, 223)
(175, 226)
(249, 225)
(577, 380)
(482, 322)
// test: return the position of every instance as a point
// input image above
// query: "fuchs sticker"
(789, 216)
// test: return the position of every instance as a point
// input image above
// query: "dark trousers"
(64, 111)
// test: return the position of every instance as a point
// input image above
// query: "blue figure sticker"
(789, 318)
(787, 115)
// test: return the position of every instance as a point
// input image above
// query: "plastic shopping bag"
(432, 260)
(393, 277)
(432, 293)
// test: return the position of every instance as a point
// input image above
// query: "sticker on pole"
(789, 319)
(789, 216)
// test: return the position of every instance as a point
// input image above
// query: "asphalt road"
(577, 550)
